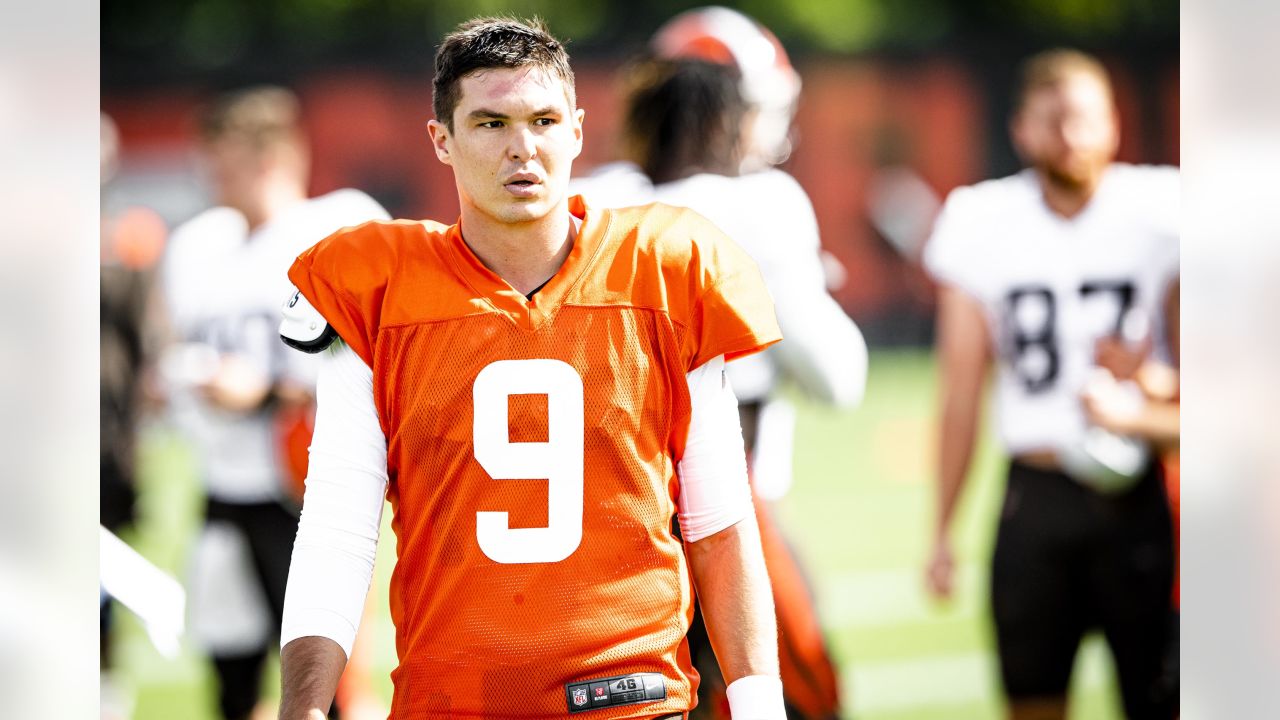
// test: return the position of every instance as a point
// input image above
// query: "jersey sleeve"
(344, 277)
(732, 312)
(950, 256)
(825, 351)
(355, 207)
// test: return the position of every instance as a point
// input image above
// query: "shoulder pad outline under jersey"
(303, 327)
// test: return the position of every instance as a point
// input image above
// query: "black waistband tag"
(614, 691)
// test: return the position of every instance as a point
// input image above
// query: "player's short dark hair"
(1051, 67)
(495, 42)
(682, 117)
(263, 116)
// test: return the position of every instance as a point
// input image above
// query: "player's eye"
(491, 124)
(544, 121)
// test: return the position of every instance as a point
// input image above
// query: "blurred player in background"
(132, 241)
(230, 377)
(705, 121)
(1040, 273)
(539, 389)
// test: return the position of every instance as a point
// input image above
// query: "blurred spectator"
(131, 243)
(230, 378)
(1035, 270)
(703, 125)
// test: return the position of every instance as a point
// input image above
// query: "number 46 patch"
(615, 691)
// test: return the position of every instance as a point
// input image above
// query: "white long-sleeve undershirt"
(337, 540)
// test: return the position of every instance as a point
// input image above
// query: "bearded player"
(538, 389)
(1039, 273)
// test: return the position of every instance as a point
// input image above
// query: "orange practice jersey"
(531, 449)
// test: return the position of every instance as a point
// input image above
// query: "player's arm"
(963, 357)
(334, 553)
(310, 668)
(824, 351)
(1158, 419)
(718, 522)
(236, 385)
(239, 386)
(737, 603)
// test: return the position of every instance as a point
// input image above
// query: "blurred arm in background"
(824, 349)
(963, 359)
(1158, 419)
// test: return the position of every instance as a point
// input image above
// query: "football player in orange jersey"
(539, 390)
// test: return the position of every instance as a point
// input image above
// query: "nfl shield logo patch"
(579, 697)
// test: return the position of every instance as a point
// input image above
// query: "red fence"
(368, 130)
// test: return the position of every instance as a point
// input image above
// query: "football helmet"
(769, 83)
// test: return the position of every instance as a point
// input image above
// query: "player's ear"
(578, 116)
(439, 140)
(1113, 127)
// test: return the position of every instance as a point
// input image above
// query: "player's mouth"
(523, 185)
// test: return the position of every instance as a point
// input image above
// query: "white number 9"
(559, 460)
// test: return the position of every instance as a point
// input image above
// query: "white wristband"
(756, 697)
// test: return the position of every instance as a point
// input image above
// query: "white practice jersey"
(1051, 286)
(769, 215)
(223, 289)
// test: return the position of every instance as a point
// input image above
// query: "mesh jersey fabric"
(646, 295)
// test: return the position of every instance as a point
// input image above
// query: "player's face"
(236, 171)
(1068, 131)
(513, 143)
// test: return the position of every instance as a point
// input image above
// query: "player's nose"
(1076, 134)
(523, 146)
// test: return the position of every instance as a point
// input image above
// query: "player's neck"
(525, 255)
(271, 202)
(1067, 199)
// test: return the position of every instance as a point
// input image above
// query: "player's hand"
(1112, 405)
(1121, 358)
(237, 385)
(940, 575)
(1158, 381)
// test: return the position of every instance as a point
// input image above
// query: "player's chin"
(525, 210)
(1070, 175)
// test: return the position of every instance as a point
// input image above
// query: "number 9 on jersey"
(559, 460)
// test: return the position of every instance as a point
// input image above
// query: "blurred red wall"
(368, 130)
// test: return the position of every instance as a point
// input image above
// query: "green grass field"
(858, 514)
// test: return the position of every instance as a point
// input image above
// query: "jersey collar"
(533, 313)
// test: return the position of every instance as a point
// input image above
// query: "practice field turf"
(859, 515)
